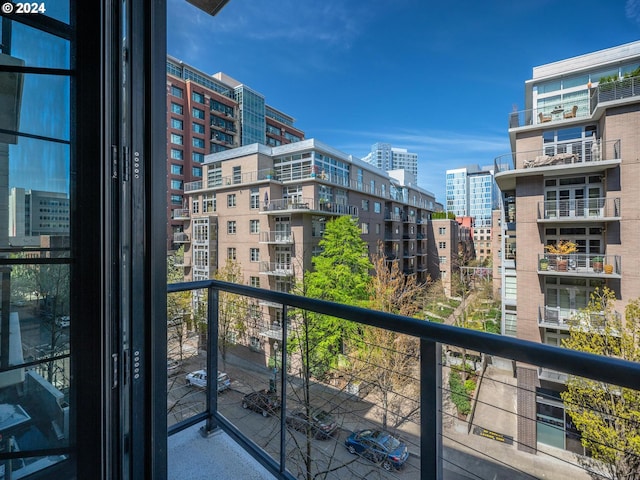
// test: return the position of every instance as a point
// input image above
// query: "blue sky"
(437, 78)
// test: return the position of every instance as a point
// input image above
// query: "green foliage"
(443, 215)
(232, 309)
(459, 395)
(341, 274)
(469, 386)
(607, 416)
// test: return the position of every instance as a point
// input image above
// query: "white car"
(199, 379)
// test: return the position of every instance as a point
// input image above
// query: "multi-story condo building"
(572, 175)
(386, 157)
(208, 114)
(33, 213)
(266, 207)
(471, 191)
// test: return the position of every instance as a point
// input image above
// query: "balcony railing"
(309, 204)
(181, 214)
(619, 90)
(486, 444)
(576, 152)
(580, 209)
(580, 264)
(180, 237)
(278, 269)
(565, 318)
(276, 237)
(392, 217)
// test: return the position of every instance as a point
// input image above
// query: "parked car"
(321, 423)
(265, 402)
(378, 446)
(172, 366)
(199, 379)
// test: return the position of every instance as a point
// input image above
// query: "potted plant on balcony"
(543, 264)
(562, 249)
(608, 269)
(596, 264)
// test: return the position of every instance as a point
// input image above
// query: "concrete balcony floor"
(194, 457)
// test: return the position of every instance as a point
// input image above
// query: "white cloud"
(632, 10)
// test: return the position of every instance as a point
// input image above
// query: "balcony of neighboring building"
(575, 157)
(181, 214)
(276, 238)
(565, 318)
(591, 106)
(588, 265)
(392, 217)
(180, 237)
(277, 269)
(581, 210)
(307, 205)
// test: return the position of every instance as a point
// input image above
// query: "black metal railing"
(430, 338)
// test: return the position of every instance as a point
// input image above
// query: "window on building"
(365, 228)
(237, 174)
(176, 108)
(254, 254)
(443, 274)
(254, 282)
(377, 229)
(197, 113)
(177, 154)
(231, 253)
(198, 127)
(197, 97)
(176, 123)
(176, 92)
(196, 171)
(231, 200)
(195, 206)
(365, 205)
(254, 226)
(176, 184)
(197, 157)
(176, 199)
(442, 230)
(198, 142)
(442, 244)
(209, 203)
(377, 207)
(177, 139)
(442, 259)
(231, 227)
(176, 169)
(254, 199)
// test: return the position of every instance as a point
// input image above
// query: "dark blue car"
(378, 446)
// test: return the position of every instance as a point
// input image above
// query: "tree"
(608, 416)
(178, 306)
(388, 359)
(232, 309)
(341, 274)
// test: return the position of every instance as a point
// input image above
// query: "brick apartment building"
(572, 175)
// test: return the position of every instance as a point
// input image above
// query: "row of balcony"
(580, 265)
(577, 152)
(308, 205)
(307, 174)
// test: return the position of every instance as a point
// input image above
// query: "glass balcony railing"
(446, 396)
(565, 318)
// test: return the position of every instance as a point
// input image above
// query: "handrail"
(604, 369)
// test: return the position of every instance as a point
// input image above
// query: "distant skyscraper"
(386, 157)
(471, 192)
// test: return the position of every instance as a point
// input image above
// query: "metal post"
(430, 409)
(283, 389)
(212, 362)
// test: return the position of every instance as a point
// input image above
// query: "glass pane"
(39, 49)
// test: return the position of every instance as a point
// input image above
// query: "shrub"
(459, 396)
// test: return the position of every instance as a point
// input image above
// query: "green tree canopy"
(607, 416)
